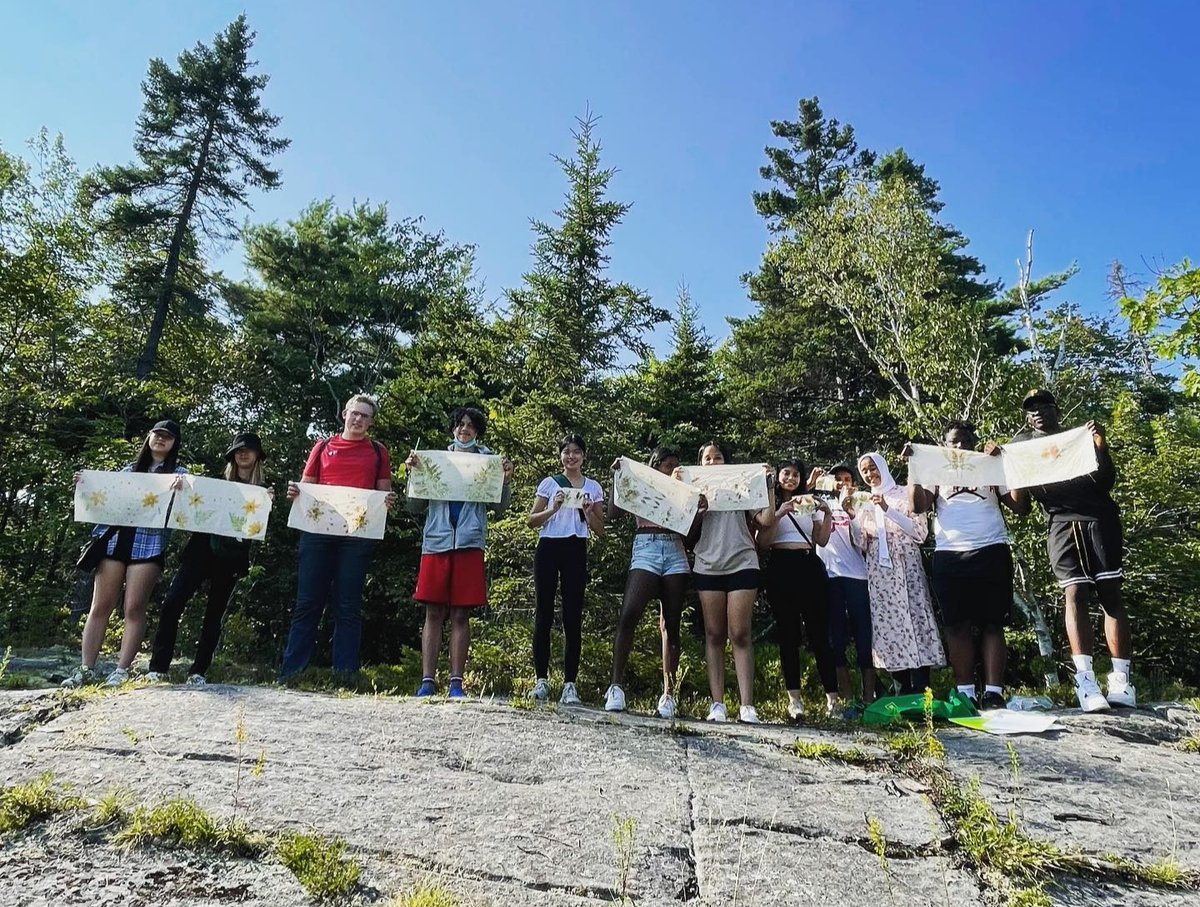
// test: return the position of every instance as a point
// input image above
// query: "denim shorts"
(660, 553)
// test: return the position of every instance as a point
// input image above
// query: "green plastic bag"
(911, 708)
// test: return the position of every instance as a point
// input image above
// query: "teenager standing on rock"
(561, 559)
(727, 578)
(217, 559)
(972, 573)
(452, 580)
(658, 568)
(133, 559)
(330, 566)
(1085, 543)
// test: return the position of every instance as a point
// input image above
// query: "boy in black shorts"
(1085, 544)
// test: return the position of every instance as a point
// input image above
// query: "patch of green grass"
(1191, 744)
(828, 752)
(184, 823)
(426, 895)
(22, 804)
(113, 807)
(1029, 897)
(320, 865)
(1165, 873)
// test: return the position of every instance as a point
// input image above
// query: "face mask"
(471, 445)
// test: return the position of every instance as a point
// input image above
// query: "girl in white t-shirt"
(567, 509)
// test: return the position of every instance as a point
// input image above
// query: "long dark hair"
(719, 445)
(572, 438)
(797, 465)
(145, 459)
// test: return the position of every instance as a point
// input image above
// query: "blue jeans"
(329, 567)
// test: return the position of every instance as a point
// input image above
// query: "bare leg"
(962, 652)
(1079, 623)
(460, 640)
(109, 577)
(843, 680)
(1116, 621)
(640, 587)
(674, 588)
(712, 604)
(431, 637)
(139, 584)
(995, 655)
(740, 607)
(868, 681)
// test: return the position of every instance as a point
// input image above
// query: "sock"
(1121, 666)
(993, 689)
(967, 689)
(794, 695)
(455, 680)
(1082, 663)
(543, 680)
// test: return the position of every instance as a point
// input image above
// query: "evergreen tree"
(203, 142)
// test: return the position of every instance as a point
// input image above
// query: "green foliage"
(828, 752)
(320, 865)
(184, 823)
(1169, 316)
(22, 804)
(426, 895)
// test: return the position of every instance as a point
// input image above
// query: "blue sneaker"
(456, 689)
(427, 688)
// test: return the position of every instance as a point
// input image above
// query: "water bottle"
(1030, 704)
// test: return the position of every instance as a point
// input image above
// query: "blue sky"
(1076, 118)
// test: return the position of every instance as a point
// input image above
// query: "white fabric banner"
(139, 499)
(1054, 458)
(646, 492)
(730, 487)
(448, 475)
(1020, 464)
(932, 466)
(339, 510)
(220, 507)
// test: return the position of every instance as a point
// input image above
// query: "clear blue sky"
(1076, 118)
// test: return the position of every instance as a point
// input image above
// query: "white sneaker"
(541, 690)
(833, 706)
(83, 674)
(614, 699)
(156, 677)
(1120, 691)
(118, 677)
(666, 706)
(196, 680)
(747, 714)
(795, 709)
(570, 696)
(1088, 691)
(716, 712)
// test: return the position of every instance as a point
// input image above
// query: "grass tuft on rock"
(320, 865)
(828, 752)
(22, 804)
(184, 823)
(426, 895)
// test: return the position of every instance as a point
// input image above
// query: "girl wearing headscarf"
(905, 634)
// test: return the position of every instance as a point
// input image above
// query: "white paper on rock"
(647, 493)
(1053, 458)
(931, 466)
(220, 507)
(139, 499)
(339, 510)
(730, 487)
(448, 475)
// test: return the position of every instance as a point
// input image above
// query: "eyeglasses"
(352, 413)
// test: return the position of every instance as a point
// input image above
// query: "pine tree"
(203, 142)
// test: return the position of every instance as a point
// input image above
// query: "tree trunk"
(149, 355)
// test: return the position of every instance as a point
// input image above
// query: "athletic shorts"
(727, 582)
(1085, 551)
(660, 553)
(974, 587)
(455, 578)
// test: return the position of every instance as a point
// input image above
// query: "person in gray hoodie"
(452, 580)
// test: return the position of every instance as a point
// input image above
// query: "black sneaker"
(993, 700)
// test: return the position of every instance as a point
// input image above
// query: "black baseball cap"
(246, 441)
(1037, 397)
(841, 467)
(170, 426)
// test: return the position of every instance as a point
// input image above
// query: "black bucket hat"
(246, 441)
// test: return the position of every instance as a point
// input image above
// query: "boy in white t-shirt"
(972, 573)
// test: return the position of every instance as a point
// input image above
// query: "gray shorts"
(660, 553)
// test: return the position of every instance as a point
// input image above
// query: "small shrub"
(320, 866)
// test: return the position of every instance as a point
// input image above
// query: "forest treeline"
(872, 324)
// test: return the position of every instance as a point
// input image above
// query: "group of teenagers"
(833, 573)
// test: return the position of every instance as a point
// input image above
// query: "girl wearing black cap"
(133, 559)
(218, 559)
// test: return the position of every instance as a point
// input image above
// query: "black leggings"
(197, 565)
(797, 588)
(564, 558)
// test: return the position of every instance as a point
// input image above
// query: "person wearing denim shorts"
(658, 568)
